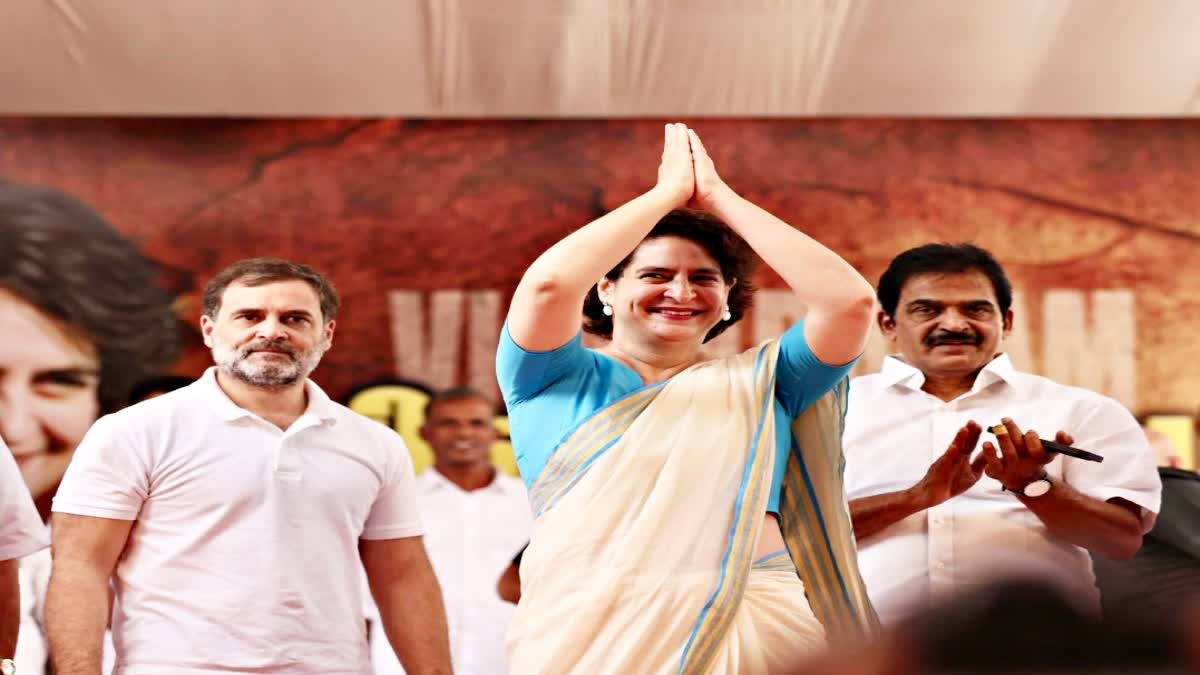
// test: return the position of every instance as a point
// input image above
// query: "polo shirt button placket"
(287, 465)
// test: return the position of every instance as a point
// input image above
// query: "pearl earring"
(606, 309)
(727, 315)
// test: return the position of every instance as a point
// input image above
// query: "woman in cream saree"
(649, 553)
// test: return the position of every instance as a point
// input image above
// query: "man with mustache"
(237, 513)
(931, 514)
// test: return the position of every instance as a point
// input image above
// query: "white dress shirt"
(471, 538)
(895, 431)
(244, 556)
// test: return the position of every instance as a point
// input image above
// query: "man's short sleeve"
(21, 529)
(109, 476)
(394, 514)
(1128, 469)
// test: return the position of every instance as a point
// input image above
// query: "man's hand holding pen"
(1021, 457)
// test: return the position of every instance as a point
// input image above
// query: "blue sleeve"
(800, 377)
(523, 375)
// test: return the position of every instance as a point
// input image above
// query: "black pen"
(1052, 446)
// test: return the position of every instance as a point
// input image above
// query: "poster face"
(426, 227)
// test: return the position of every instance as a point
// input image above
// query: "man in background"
(476, 518)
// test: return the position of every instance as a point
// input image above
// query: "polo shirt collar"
(320, 406)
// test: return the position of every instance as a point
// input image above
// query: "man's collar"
(319, 404)
(1000, 369)
(216, 398)
(435, 480)
(896, 371)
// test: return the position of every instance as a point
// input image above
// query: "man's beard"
(241, 363)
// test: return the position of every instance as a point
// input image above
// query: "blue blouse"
(549, 394)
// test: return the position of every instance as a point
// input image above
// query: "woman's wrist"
(666, 197)
(722, 203)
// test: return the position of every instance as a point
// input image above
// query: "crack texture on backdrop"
(426, 227)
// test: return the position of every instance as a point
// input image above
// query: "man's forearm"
(414, 619)
(76, 614)
(10, 608)
(1108, 529)
(878, 512)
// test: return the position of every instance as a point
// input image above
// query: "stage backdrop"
(427, 226)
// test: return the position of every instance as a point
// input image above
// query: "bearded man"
(235, 514)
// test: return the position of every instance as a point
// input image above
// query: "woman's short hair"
(65, 259)
(733, 255)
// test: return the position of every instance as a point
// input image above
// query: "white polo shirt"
(894, 431)
(471, 538)
(244, 556)
(21, 529)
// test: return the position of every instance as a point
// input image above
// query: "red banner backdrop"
(427, 226)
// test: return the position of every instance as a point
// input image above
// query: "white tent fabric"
(600, 58)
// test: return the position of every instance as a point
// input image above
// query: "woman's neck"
(654, 363)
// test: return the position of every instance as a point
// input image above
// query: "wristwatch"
(7, 667)
(1034, 488)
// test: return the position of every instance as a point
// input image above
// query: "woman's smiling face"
(49, 379)
(672, 290)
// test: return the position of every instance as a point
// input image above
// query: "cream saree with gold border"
(647, 517)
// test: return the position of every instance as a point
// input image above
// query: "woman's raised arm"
(546, 309)
(840, 301)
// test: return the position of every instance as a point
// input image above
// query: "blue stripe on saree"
(819, 533)
(719, 611)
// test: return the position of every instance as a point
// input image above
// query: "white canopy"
(600, 58)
